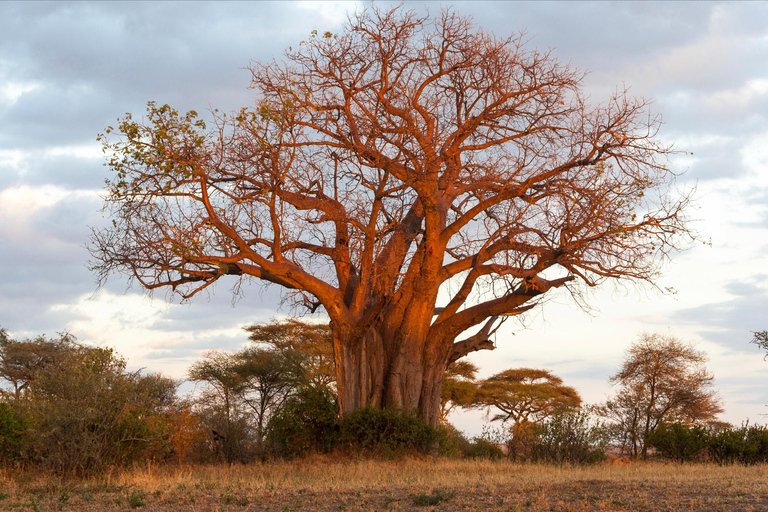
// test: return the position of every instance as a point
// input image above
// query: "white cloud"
(20, 161)
(333, 12)
(90, 151)
(25, 198)
(12, 91)
(688, 63)
(739, 98)
(693, 141)
(129, 324)
(13, 159)
(19, 204)
(754, 156)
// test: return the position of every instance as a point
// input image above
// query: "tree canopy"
(662, 379)
(525, 397)
(405, 159)
(459, 387)
(311, 341)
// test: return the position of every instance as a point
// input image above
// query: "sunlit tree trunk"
(388, 367)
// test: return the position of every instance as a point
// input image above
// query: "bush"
(307, 423)
(87, 413)
(14, 438)
(387, 432)
(454, 444)
(481, 448)
(746, 445)
(679, 442)
(568, 437)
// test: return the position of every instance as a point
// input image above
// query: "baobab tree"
(404, 158)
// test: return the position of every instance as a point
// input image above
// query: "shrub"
(388, 432)
(568, 437)
(14, 438)
(481, 448)
(682, 443)
(307, 423)
(452, 443)
(430, 500)
(746, 445)
(87, 413)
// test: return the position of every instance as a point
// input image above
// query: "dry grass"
(411, 484)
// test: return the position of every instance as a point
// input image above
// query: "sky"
(69, 70)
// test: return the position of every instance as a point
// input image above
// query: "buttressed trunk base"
(390, 371)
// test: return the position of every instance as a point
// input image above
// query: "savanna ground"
(411, 484)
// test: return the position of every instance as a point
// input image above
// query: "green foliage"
(77, 408)
(746, 445)
(455, 445)
(307, 423)
(22, 360)
(568, 437)
(480, 448)
(14, 436)
(88, 413)
(387, 432)
(313, 342)
(458, 388)
(680, 442)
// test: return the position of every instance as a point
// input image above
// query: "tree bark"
(388, 367)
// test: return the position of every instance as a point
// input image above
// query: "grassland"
(411, 484)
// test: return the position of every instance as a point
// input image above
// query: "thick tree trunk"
(386, 368)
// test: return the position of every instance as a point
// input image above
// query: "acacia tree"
(661, 380)
(404, 158)
(245, 389)
(22, 360)
(524, 396)
(312, 342)
(459, 387)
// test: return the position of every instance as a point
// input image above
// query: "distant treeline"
(75, 409)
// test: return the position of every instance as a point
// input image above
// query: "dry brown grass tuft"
(323, 483)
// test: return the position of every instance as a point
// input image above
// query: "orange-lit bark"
(402, 161)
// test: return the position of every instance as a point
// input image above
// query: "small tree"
(245, 389)
(22, 360)
(459, 387)
(220, 399)
(661, 379)
(186, 429)
(524, 396)
(312, 341)
(268, 379)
